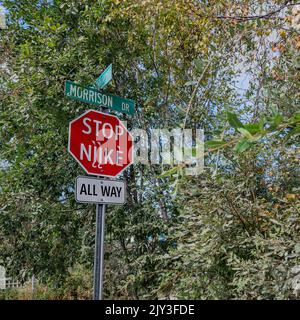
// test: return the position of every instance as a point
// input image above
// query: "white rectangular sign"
(94, 190)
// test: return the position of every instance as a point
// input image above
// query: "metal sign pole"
(99, 252)
(99, 249)
(106, 191)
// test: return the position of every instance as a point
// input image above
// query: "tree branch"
(268, 15)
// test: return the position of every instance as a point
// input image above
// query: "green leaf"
(245, 133)
(256, 137)
(261, 124)
(169, 173)
(297, 248)
(198, 64)
(253, 127)
(274, 111)
(295, 118)
(294, 132)
(215, 144)
(275, 121)
(234, 120)
(242, 146)
(278, 119)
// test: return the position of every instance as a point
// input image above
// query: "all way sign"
(90, 95)
(93, 190)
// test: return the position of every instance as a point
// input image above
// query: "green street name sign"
(91, 95)
(104, 78)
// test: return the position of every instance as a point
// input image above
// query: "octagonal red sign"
(100, 143)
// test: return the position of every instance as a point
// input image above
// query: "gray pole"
(99, 252)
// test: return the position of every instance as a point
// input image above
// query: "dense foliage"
(229, 67)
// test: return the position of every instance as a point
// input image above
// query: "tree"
(230, 232)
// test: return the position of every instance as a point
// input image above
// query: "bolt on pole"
(99, 252)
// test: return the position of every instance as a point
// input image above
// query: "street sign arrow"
(104, 78)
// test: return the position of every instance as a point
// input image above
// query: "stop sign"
(100, 143)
